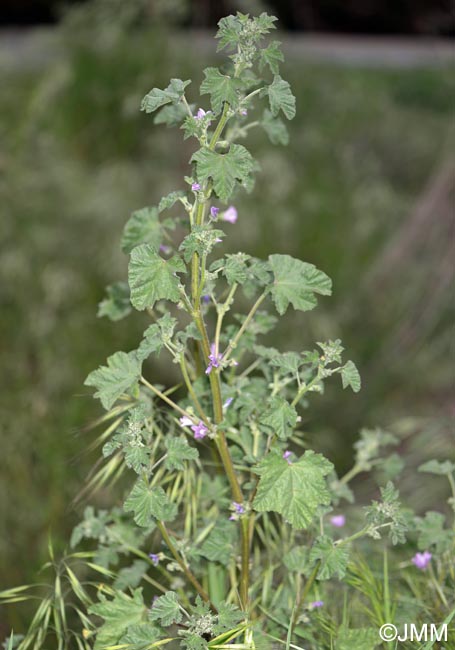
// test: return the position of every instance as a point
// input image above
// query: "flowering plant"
(235, 526)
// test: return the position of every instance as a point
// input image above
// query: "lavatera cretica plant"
(231, 531)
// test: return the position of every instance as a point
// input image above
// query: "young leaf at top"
(350, 376)
(223, 169)
(166, 609)
(119, 614)
(149, 503)
(121, 373)
(117, 303)
(156, 97)
(296, 282)
(294, 489)
(281, 98)
(221, 88)
(280, 417)
(152, 278)
(143, 227)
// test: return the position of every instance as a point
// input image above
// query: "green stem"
(165, 398)
(190, 388)
(233, 344)
(305, 592)
(305, 388)
(220, 126)
(184, 566)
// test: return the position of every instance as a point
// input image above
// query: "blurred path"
(34, 48)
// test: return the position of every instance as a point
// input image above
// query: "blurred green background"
(364, 191)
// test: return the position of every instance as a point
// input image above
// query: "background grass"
(77, 157)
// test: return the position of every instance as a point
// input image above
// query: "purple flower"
(195, 187)
(228, 402)
(238, 508)
(230, 214)
(316, 603)
(214, 359)
(201, 114)
(214, 212)
(206, 298)
(338, 521)
(185, 421)
(422, 560)
(287, 456)
(165, 249)
(155, 558)
(244, 112)
(199, 430)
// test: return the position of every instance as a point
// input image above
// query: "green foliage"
(157, 98)
(119, 376)
(224, 169)
(149, 503)
(166, 609)
(230, 568)
(117, 303)
(152, 278)
(295, 489)
(333, 558)
(296, 283)
(119, 613)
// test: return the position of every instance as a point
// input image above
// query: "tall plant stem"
(184, 566)
(305, 592)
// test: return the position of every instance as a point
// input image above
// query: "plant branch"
(233, 344)
(184, 566)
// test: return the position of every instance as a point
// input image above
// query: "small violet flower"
(185, 421)
(338, 521)
(199, 430)
(238, 509)
(214, 212)
(206, 298)
(287, 456)
(165, 249)
(230, 214)
(195, 187)
(244, 112)
(201, 114)
(316, 603)
(214, 359)
(228, 402)
(422, 560)
(155, 558)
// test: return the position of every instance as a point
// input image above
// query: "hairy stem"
(233, 344)
(184, 566)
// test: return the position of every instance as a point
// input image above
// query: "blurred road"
(33, 48)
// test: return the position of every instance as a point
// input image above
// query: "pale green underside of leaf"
(281, 97)
(143, 227)
(119, 614)
(294, 490)
(296, 283)
(350, 376)
(157, 97)
(117, 303)
(121, 373)
(152, 278)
